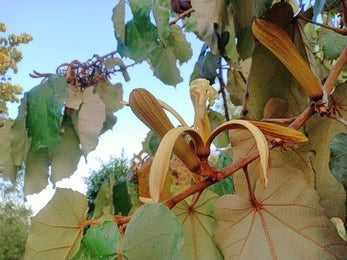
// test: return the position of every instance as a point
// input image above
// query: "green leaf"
(103, 201)
(36, 171)
(140, 39)
(229, 28)
(227, 185)
(236, 86)
(112, 96)
(100, 242)
(90, 119)
(216, 119)
(245, 44)
(223, 187)
(320, 131)
(333, 43)
(141, 7)
(206, 67)
(7, 167)
(199, 225)
(338, 158)
(163, 64)
(20, 143)
(181, 47)
(161, 15)
(56, 231)
(153, 233)
(151, 143)
(118, 17)
(121, 198)
(268, 77)
(66, 153)
(45, 104)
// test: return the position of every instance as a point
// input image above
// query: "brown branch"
(181, 16)
(329, 83)
(288, 120)
(337, 30)
(222, 90)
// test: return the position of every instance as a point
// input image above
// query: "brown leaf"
(287, 224)
(56, 231)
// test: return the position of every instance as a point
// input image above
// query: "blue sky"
(67, 30)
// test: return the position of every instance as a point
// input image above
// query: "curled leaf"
(161, 160)
(259, 137)
(277, 131)
(279, 43)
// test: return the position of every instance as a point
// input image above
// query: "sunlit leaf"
(45, 104)
(66, 153)
(154, 233)
(111, 95)
(288, 224)
(198, 225)
(163, 64)
(91, 117)
(56, 231)
(100, 242)
(340, 227)
(338, 158)
(118, 19)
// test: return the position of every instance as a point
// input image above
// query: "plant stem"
(222, 90)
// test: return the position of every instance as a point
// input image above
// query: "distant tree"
(10, 56)
(14, 220)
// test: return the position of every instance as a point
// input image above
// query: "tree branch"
(337, 30)
(222, 90)
(181, 16)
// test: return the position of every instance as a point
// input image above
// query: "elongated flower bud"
(147, 108)
(279, 43)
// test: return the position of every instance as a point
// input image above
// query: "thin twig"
(222, 90)
(181, 16)
(337, 30)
